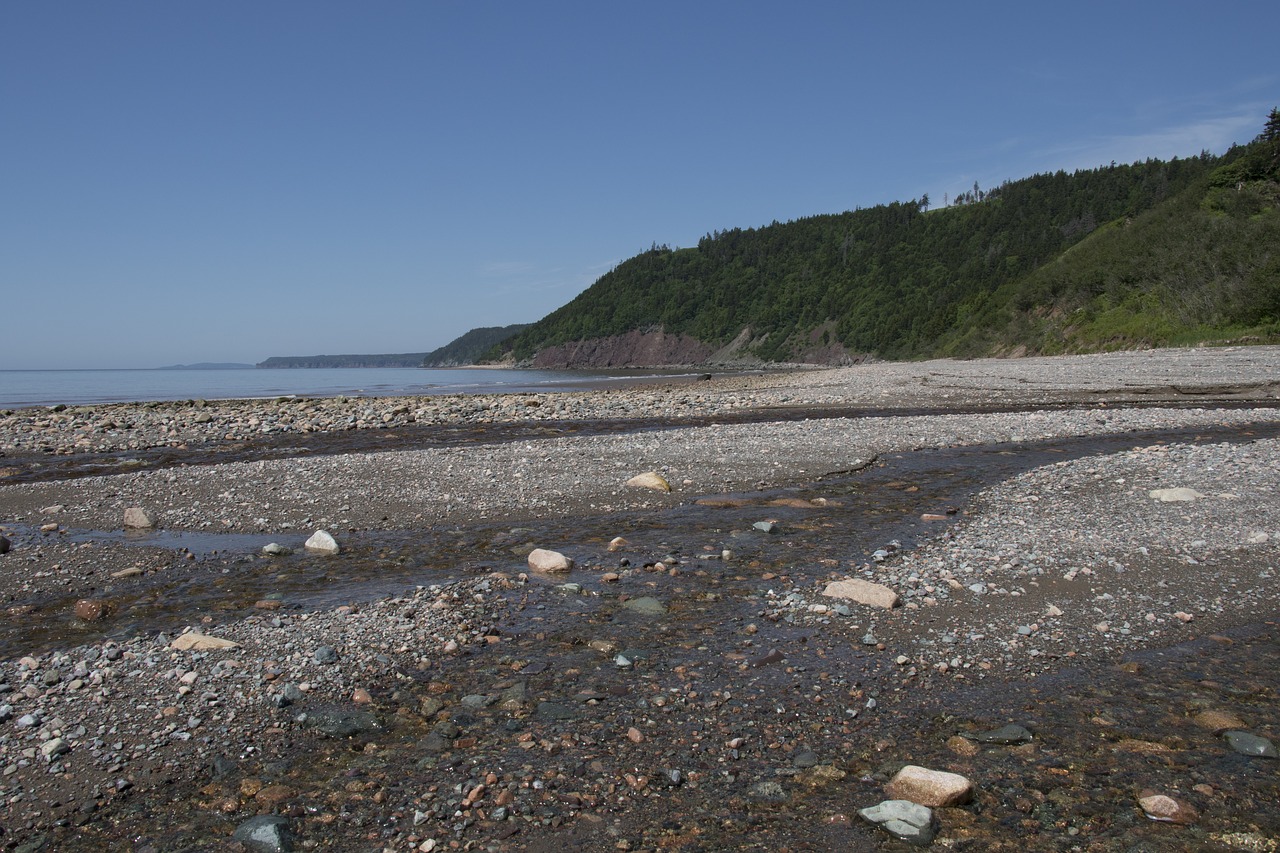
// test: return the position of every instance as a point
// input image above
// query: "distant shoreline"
(31, 389)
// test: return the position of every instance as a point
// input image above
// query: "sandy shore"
(1063, 565)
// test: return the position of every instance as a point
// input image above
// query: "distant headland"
(209, 365)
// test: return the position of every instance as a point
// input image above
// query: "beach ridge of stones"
(183, 424)
(396, 489)
(1110, 537)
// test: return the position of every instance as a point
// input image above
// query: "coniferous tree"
(1271, 131)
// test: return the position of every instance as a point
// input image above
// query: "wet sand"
(494, 713)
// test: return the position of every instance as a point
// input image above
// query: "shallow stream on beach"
(715, 665)
(831, 526)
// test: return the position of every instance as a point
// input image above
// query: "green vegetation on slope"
(411, 359)
(1143, 254)
(468, 348)
(1203, 266)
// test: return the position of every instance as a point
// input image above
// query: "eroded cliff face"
(660, 349)
(634, 349)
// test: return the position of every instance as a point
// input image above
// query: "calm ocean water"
(20, 388)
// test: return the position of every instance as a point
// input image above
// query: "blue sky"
(184, 182)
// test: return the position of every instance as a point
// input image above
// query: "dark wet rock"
(771, 656)
(1010, 734)
(222, 766)
(288, 695)
(805, 759)
(1252, 745)
(90, 609)
(266, 834)
(515, 697)
(4, 545)
(556, 711)
(441, 736)
(326, 655)
(36, 844)
(645, 606)
(341, 723)
(903, 819)
(478, 701)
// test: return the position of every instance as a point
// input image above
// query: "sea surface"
(19, 388)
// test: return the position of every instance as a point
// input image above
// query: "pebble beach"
(755, 648)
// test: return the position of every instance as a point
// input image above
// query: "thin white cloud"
(1214, 134)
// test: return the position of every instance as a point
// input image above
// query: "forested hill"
(412, 359)
(469, 347)
(1153, 253)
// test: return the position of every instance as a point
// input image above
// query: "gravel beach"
(1092, 558)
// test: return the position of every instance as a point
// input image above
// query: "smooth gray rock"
(645, 606)
(322, 542)
(903, 819)
(1252, 745)
(266, 834)
(1009, 734)
(326, 655)
(55, 747)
